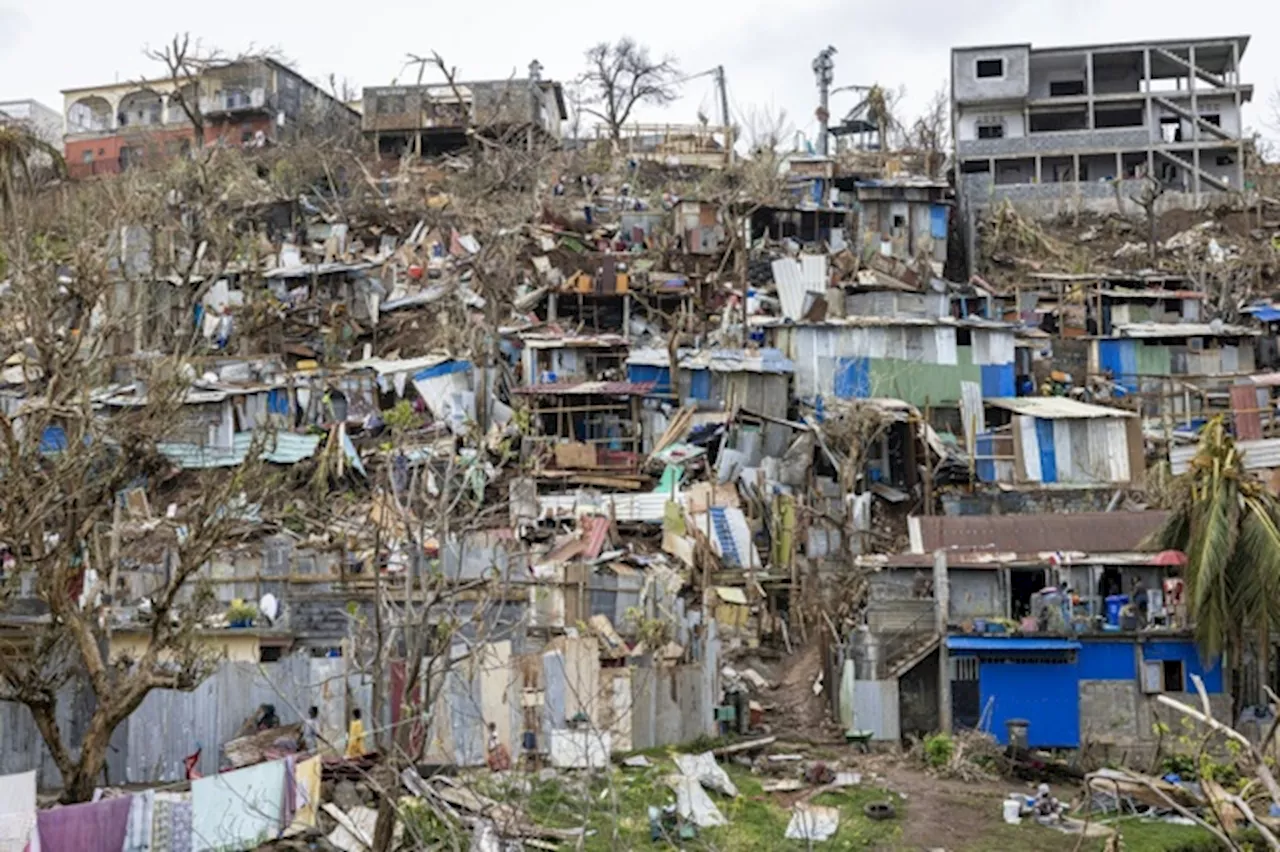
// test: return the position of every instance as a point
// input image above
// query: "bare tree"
(622, 76)
(930, 135)
(1146, 198)
(68, 464)
(185, 66)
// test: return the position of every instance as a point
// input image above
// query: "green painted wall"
(1153, 360)
(923, 384)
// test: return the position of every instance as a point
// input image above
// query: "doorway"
(1023, 584)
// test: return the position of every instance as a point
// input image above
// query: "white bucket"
(1013, 810)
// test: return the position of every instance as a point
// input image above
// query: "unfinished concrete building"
(1049, 124)
(430, 119)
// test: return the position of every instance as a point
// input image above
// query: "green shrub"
(938, 749)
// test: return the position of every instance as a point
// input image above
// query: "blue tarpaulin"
(853, 378)
(445, 369)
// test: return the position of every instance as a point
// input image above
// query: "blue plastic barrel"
(1114, 605)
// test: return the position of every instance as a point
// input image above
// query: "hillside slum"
(673, 447)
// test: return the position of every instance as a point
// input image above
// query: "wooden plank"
(1244, 407)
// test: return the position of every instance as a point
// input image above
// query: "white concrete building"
(1040, 124)
(45, 122)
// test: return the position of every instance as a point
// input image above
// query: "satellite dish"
(269, 607)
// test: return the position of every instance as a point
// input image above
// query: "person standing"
(311, 730)
(355, 736)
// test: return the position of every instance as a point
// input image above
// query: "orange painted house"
(250, 102)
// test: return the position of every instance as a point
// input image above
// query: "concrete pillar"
(941, 609)
(1039, 169)
(1195, 125)
(1088, 85)
(1234, 79)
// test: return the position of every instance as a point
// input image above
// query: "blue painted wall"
(1185, 650)
(661, 376)
(986, 468)
(1048, 456)
(1121, 358)
(1106, 661)
(998, 380)
(938, 215)
(1046, 694)
(700, 384)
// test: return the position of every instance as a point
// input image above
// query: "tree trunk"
(384, 829)
(93, 757)
(1264, 662)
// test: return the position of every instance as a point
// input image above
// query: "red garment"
(189, 763)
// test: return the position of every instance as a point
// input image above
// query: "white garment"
(141, 814)
(18, 829)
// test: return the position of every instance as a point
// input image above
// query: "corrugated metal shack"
(1059, 440)
(919, 360)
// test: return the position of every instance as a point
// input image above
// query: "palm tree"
(1228, 524)
(19, 147)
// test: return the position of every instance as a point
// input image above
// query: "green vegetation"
(938, 750)
(757, 820)
(1138, 836)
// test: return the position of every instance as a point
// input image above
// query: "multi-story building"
(248, 102)
(433, 118)
(1047, 123)
(43, 121)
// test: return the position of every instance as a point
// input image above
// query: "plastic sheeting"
(241, 809)
(707, 771)
(813, 823)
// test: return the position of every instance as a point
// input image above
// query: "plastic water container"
(1013, 809)
(1114, 604)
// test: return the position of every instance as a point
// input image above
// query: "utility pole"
(824, 67)
(724, 112)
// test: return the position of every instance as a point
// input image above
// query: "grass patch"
(756, 819)
(1138, 835)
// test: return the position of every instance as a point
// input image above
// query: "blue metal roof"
(1009, 643)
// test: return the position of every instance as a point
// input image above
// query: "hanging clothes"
(91, 827)
(171, 823)
(307, 795)
(141, 822)
(18, 813)
(238, 810)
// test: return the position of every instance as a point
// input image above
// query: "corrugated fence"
(169, 725)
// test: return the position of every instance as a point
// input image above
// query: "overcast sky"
(766, 47)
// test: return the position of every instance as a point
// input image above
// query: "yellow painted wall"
(236, 647)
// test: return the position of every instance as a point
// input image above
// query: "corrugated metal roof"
(1055, 407)
(624, 507)
(795, 279)
(1258, 455)
(1097, 532)
(1009, 643)
(766, 360)
(306, 270)
(385, 366)
(1183, 329)
(559, 341)
(589, 388)
(282, 448)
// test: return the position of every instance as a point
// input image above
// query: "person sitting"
(267, 718)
